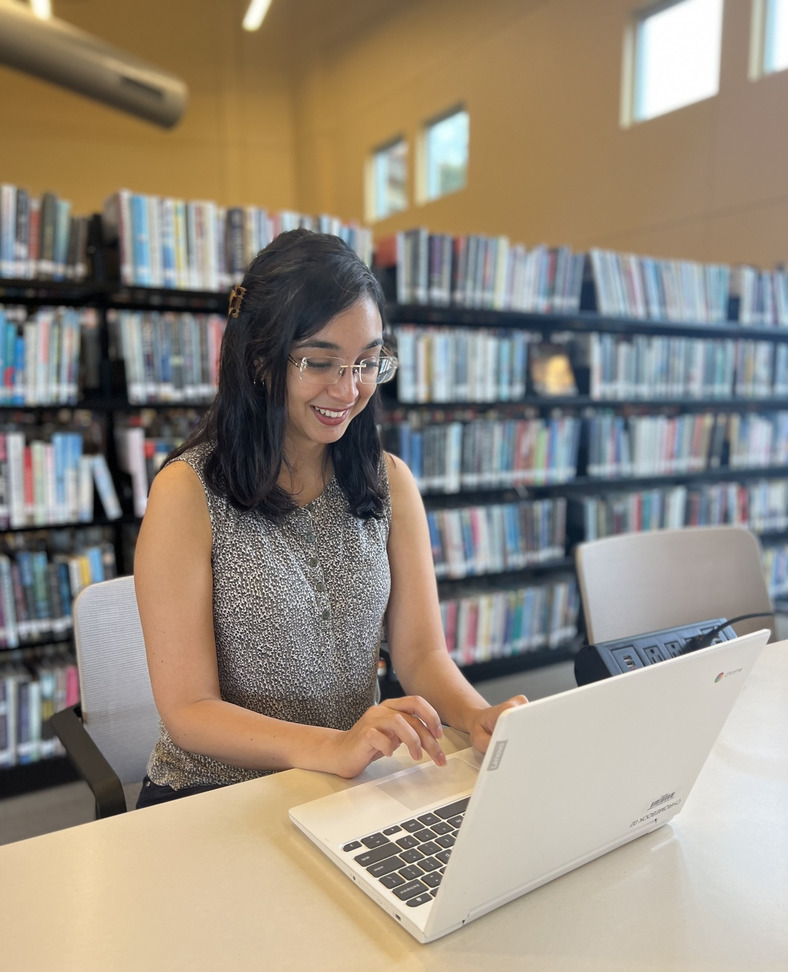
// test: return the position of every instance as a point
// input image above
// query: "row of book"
(53, 481)
(761, 506)
(31, 691)
(460, 364)
(40, 354)
(144, 443)
(775, 566)
(200, 245)
(38, 583)
(417, 266)
(659, 445)
(168, 357)
(759, 297)
(483, 626)
(642, 366)
(457, 451)
(40, 237)
(628, 285)
(475, 540)
(478, 271)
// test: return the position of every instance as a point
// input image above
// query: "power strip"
(594, 662)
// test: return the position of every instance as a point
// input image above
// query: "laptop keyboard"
(409, 858)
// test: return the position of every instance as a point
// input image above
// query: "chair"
(109, 735)
(638, 582)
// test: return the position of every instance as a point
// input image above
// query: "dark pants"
(153, 793)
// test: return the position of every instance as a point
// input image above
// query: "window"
(390, 179)
(446, 154)
(770, 27)
(675, 57)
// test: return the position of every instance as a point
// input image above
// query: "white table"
(224, 881)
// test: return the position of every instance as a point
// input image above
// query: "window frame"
(424, 153)
(633, 60)
(373, 181)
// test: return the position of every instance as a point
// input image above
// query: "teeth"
(328, 413)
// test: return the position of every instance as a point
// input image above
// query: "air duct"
(56, 52)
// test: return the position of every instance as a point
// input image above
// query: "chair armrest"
(88, 761)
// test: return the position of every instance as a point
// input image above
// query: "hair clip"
(236, 299)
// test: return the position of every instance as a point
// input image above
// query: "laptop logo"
(723, 675)
(497, 755)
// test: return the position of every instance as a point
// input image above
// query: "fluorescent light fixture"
(255, 14)
(42, 9)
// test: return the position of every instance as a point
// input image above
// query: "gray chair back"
(118, 710)
(639, 582)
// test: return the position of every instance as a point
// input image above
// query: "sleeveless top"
(297, 613)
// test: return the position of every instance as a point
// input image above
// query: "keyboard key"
(419, 899)
(451, 809)
(407, 841)
(425, 834)
(429, 847)
(456, 821)
(353, 845)
(411, 855)
(392, 830)
(411, 825)
(376, 854)
(392, 881)
(411, 872)
(444, 856)
(385, 867)
(428, 864)
(441, 827)
(446, 841)
(410, 889)
(433, 879)
(428, 819)
(375, 840)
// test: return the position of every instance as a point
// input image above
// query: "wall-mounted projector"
(57, 52)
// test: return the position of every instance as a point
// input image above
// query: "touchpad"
(428, 783)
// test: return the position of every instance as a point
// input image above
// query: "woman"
(279, 540)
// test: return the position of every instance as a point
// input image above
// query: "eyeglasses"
(326, 370)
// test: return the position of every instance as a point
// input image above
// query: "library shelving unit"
(667, 424)
(59, 534)
(663, 424)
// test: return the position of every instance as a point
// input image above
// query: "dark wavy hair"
(293, 287)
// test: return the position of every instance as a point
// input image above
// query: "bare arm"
(174, 584)
(413, 620)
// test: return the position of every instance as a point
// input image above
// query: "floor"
(33, 814)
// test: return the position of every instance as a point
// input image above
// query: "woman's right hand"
(409, 721)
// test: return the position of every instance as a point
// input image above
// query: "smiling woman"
(278, 541)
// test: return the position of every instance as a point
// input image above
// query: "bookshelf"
(665, 421)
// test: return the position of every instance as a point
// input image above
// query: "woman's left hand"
(483, 721)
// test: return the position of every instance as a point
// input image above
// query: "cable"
(704, 640)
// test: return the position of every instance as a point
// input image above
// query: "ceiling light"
(42, 9)
(255, 14)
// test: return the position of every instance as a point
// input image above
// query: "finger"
(419, 708)
(421, 739)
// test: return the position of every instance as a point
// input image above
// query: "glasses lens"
(387, 368)
(322, 371)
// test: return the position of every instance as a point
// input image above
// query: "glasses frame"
(343, 367)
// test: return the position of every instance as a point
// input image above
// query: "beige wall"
(234, 144)
(549, 161)
(287, 118)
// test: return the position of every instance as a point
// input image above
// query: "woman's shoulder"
(195, 456)
(401, 482)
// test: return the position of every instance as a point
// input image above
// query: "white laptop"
(565, 780)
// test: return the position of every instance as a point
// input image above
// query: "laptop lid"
(566, 779)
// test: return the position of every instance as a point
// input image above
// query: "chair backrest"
(118, 711)
(638, 582)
